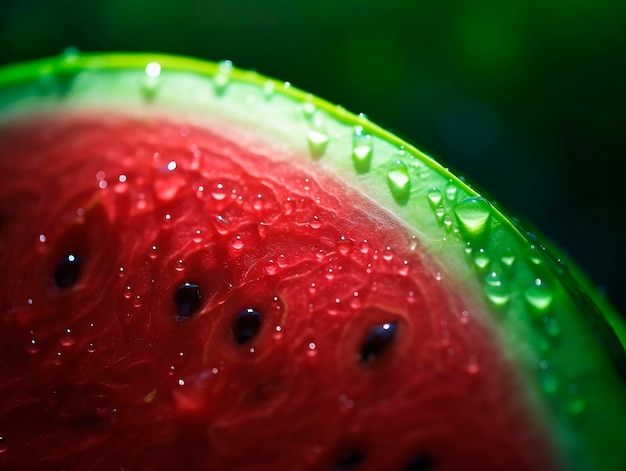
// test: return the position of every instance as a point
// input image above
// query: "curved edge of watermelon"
(566, 340)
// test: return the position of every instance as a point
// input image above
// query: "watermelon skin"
(104, 374)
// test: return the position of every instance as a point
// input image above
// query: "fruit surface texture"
(206, 269)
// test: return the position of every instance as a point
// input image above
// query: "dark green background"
(524, 97)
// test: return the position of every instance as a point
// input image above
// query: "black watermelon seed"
(377, 341)
(67, 271)
(187, 298)
(350, 459)
(420, 463)
(246, 325)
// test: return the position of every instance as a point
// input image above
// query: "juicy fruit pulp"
(173, 300)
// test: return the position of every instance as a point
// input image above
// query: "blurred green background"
(524, 97)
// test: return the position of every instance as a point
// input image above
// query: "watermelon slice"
(207, 269)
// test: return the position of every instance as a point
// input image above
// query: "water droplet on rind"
(496, 290)
(361, 150)
(539, 296)
(317, 137)
(434, 198)
(474, 218)
(399, 182)
(222, 78)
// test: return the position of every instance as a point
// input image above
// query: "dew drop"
(539, 296)
(496, 290)
(399, 182)
(451, 191)
(150, 82)
(434, 197)
(472, 365)
(474, 218)
(246, 325)
(237, 243)
(222, 78)
(180, 265)
(508, 260)
(153, 252)
(67, 271)
(482, 260)
(361, 150)
(197, 236)
(269, 89)
(188, 298)
(317, 138)
(378, 340)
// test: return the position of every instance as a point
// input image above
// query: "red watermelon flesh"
(173, 300)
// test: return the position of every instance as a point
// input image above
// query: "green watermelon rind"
(567, 341)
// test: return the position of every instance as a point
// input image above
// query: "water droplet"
(67, 271)
(481, 260)
(312, 349)
(539, 296)
(508, 260)
(153, 252)
(496, 290)
(197, 236)
(315, 223)
(237, 243)
(451, 191)
(317, 138)
(388, 254)
(3, 445)
(440, 213)
(222, 78)
(474, 218)
(308, 107)
(269, 88)
(361, 150)
(179, 265)
(434, 197)
(472, 365)
(91, 348)
(150, 83)
(188, 298)
(399, 182)
(378, 340)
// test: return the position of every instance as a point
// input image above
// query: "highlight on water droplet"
(399, 182)
(361, 150)
(474, 218)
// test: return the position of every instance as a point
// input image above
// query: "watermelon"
(207, 269)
